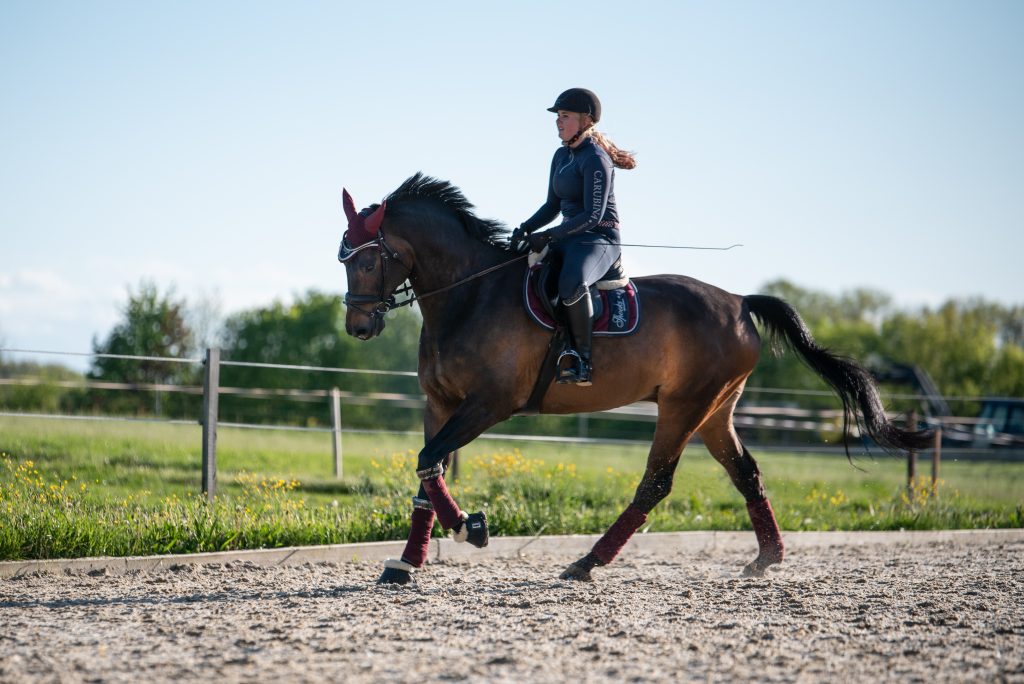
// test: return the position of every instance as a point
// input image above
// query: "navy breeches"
(585, 259)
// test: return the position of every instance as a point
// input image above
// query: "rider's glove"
(519, 241)
(539, 240)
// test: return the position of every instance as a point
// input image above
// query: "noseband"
(379, 304)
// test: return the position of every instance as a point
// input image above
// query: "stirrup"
(578, 372)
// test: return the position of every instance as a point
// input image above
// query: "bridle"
(379, 304)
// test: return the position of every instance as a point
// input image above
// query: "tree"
(45, 395)
(153, 325)
(969, 347)
(847, 324)
(205, 320)
(957, 344)
(310, 331)
(1011, 326)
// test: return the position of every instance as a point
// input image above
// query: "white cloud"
(43, 310)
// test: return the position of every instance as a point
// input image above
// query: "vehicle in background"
(999, 424)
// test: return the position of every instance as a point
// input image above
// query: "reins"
(384, 303)
(482, 273)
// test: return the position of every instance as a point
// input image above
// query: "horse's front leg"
(399, 571)
(433, 499)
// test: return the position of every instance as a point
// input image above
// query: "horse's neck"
(444, 257)
(440, 262)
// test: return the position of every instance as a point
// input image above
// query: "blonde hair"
(621, 159)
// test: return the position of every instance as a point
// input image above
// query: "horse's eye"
(370, 266)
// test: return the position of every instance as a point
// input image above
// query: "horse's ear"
(374, 220)
(350, 208)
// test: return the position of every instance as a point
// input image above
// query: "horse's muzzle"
(364, 327)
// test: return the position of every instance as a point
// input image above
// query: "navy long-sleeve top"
(580, 187)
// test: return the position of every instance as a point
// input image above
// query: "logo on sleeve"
(597, 194)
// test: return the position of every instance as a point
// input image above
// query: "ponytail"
(621, 159)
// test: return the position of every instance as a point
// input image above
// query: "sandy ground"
(943, 612)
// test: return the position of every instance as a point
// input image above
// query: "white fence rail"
(776, 418)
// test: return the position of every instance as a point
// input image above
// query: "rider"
(580, 186)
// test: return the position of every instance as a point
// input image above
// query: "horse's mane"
(421, 187)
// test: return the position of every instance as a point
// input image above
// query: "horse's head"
(374, 267)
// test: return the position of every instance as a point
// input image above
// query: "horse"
(480, 354)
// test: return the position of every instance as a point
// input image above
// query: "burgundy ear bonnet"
(361, 229)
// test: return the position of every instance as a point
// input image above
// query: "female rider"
(580, 187)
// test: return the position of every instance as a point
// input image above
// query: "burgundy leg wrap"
(769, 539)
(608, 546)
(419, 537)
(444, 505)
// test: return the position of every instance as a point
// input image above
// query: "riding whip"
(629, 244)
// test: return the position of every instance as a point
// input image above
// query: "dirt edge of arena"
(504, 547)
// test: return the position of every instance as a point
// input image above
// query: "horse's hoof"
(575, 572)
(396, 572)
(392, 575)
(753, 570)
(758, 566)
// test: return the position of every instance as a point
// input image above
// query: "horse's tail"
(851, 382)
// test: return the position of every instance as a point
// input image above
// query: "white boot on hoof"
(396, 572)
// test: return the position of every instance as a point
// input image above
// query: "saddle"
(616, 312)
(614, 297)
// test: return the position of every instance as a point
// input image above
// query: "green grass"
(70, 488)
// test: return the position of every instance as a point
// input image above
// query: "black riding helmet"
(578, 100)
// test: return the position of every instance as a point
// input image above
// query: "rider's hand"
(519, 241)
(539, 240)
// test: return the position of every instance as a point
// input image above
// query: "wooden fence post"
(453, 466)
(211, 388)
(936, 458)
(911, 456)
(336, 430)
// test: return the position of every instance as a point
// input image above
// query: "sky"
(204, 146)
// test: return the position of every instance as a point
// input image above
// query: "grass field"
(84, 488)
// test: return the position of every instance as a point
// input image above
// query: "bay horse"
(480, 354)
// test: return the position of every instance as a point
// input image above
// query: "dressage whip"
(630, 244)
(523, 256)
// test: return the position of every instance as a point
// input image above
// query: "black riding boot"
(579, 314)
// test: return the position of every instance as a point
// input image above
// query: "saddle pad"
(620, 313)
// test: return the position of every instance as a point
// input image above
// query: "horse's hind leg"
(721, 439)
(676, 423)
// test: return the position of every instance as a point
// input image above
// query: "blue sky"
(205, 145)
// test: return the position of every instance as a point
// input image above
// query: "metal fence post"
(336, 430)
(936, 459)
(211, 388)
